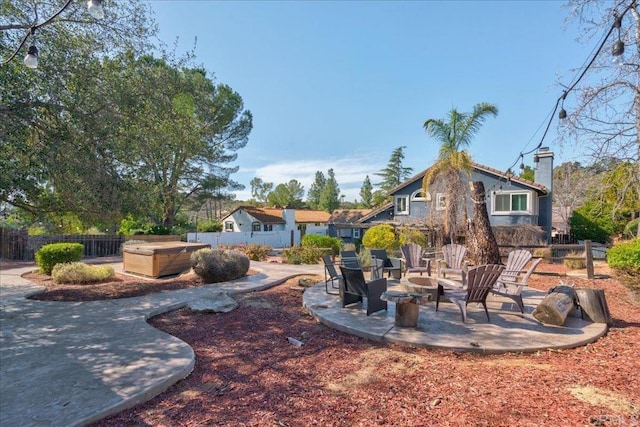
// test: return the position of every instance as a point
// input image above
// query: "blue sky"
(340, 85)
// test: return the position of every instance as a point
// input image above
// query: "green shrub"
(209, 226)
(407, 235)
(596, 221)
(575, 260)
(625, 257)
(79, 272)
(301, 255)
(254, 251)
(219, 265)
(380, 237)
(57, 253)
(159, 230)
(322, 241)
(631, 229)
(131, 226)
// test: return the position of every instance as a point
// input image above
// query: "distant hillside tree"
(395, 172)
(366, 193)
(260, 189)
(287, 195)
(315, 191)
(330, 197)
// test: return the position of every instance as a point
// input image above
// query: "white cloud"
(350, 173)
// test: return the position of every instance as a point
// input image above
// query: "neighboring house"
(343, 223)
(510, 200)
(256, 219)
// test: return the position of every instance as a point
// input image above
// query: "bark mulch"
(248, 374)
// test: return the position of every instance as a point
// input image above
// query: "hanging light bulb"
(618, 52)
(95, 9)
(562, 114)
(618, 47)
(31, 59)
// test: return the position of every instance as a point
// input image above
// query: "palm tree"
(454, 162)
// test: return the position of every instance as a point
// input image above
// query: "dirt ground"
(247, 373)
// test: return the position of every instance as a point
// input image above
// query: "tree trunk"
(594, 305)
(483, 243)
(555, 307)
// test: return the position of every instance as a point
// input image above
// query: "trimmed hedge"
(58, 253)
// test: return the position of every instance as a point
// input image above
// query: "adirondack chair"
(349, 259)
(452, 261)
(480, 281)
(413, 261)
(331, 275)
(354, 288)
(392, 266)
(512, 282)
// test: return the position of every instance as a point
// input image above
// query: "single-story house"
(257, 219)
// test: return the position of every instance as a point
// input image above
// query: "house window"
(228, 226)
(420, 196)
(356, 233)
(256, 226)
(440, 202)
(402, 207)
(507, 203)
(268, 227)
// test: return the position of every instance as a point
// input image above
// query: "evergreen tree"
(395, 172)
(287, 195)
(366, 193)
(260, 189)
(330, 197)
(315, 191)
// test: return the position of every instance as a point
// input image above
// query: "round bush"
(58, 253)
(219, 265)
(625, 257)
(380, 237)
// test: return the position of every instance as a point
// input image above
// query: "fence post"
(589, 256)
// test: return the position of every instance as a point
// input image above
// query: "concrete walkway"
(72, 363)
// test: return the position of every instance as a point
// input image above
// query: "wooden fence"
(18, 245)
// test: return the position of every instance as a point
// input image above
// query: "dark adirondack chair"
(331, 275)
(413, 261)
(514, 278)
(349, 259)
(392, 266)
(354, 288)
(480, 281)
(452, 261)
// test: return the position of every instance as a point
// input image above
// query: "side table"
(407, 308)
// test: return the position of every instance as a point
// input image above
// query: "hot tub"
(160, 258)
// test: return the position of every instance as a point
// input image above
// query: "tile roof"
(274, 215)
(264, 215)
(307, 216)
